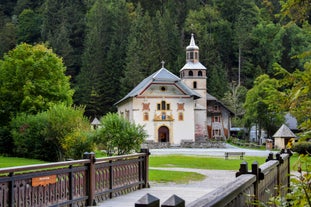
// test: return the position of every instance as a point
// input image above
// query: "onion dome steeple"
(192, 51)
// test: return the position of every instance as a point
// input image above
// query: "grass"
(201, 162)
(167, 176)
(196, 162)
(17, 161)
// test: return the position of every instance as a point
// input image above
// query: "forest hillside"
(109, 46)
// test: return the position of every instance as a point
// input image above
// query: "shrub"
(118, 133)
(54, 135)
(302, 147)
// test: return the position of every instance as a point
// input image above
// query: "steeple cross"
(162, 62)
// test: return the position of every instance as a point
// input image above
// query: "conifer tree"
(104, 56)
(142, 53)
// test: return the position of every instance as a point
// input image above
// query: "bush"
(302, 147)
(54, 135)
(116, 133)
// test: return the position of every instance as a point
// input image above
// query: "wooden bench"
(241, 154)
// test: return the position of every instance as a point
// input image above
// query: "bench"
(241, 154)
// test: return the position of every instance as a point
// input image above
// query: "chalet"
(175, 109)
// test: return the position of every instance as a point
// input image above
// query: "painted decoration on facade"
(180, 106)
(146, 106)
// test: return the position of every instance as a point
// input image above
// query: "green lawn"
(16, 161)
(202, 162)
(167, 176)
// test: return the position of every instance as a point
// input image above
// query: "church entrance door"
(163, 134)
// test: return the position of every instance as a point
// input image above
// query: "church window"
(180, 116)
(194, 84)
(163, 105)
(191, 55)
(122, 114)
(190, 73)
(196, 55)
(146, 116)
(200, 73)
(168, 107)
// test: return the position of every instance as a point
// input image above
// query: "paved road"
(191, 191)
(218, 152)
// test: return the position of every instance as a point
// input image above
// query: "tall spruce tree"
(142, 52)
(103, 58)
(63, 27)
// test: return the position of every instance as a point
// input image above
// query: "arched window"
(163, 105)
(194, 84)
(190, 73)
(200, 73)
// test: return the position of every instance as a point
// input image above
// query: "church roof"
(192, 45)
(284, 132)
(191, 65)
(160, 76)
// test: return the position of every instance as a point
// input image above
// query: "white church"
(176, 109)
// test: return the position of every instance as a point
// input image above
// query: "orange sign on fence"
(44, 180)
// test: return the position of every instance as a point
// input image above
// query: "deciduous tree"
(32, 79)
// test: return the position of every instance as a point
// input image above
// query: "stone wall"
(184, 144)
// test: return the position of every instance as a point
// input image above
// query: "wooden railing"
(248, 189)
(73, 183)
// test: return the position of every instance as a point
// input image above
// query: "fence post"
(145, 168)
(148, 201)
(243, 169)
(174, 201)
(287, 151)
(91, 178)
(255, 171)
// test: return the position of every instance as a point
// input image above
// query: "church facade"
(175, 109)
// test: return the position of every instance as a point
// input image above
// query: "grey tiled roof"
(284, 132)
(160, 76)
(191, 66)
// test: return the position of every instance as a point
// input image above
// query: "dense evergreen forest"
(109, 46)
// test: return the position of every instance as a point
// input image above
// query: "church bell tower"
(193, 74)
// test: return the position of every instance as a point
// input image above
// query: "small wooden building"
(282, 136)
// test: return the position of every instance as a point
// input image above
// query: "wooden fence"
(249, 187)
(73, 183)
